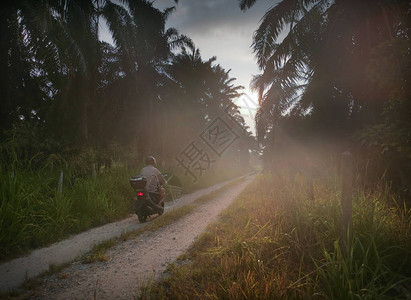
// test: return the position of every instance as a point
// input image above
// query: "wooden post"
(310, 175)
(60, 184)
(346, 198)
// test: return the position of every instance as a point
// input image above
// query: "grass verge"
(35, 213)
(98, 253)
(274, 242)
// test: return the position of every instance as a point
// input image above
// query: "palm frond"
(168, 11)
(176, 40)
(299, 40)
(274, 23)
(119, 23)
(246, 4)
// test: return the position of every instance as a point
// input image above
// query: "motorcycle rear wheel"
(142, 218)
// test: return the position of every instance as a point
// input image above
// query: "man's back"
(154, 177)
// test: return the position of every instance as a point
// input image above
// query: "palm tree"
(320, 66)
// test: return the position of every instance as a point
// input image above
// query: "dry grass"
(275, 243)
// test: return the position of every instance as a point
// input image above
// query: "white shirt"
(154, 177)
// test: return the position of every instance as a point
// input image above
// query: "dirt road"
(133, 262)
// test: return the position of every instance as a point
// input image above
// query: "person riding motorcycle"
(154, 182)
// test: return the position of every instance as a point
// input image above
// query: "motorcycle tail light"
(140, 194)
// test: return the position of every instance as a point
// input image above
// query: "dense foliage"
(337, 73)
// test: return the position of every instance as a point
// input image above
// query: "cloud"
(203, 15)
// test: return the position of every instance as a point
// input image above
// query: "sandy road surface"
(132, 263)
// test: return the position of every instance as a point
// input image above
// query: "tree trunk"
(84, 121)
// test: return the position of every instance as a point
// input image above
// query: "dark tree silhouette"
(325, 75)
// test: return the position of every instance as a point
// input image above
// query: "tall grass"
(274, 242)
(34, 213)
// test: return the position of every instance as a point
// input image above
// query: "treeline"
(64, 89)
(336, 77)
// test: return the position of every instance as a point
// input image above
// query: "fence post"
(346, 197)
(60, 184)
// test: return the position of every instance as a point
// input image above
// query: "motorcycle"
(145, 205)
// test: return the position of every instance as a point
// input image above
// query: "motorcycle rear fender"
(141, 205)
